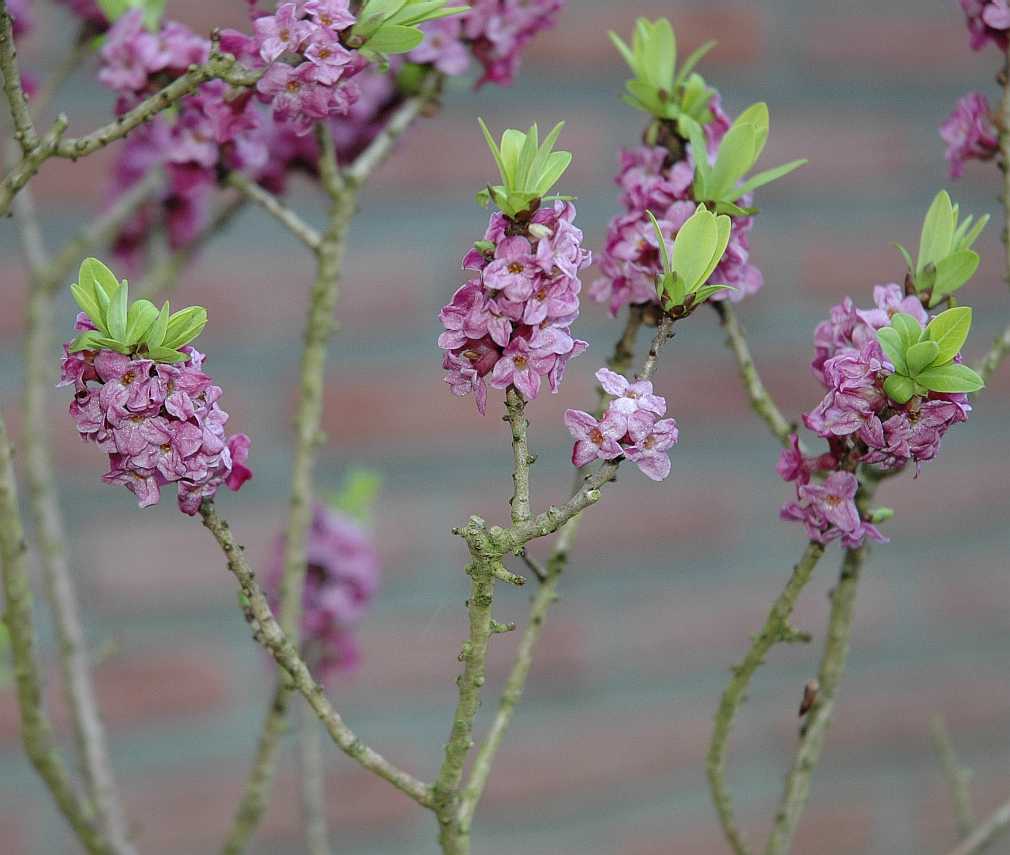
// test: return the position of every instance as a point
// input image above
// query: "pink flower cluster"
(495, 32)
(160, 424)
(652, 180)
(633, 427)
(513, 321)
(859, 421)
(969, 132)
(341, 579)
(852, 366)
(828, 511)
(988, 21)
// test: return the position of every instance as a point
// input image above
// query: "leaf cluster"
(946, 260)
(923, 359)
(137, 328)
(528, 168)
(697, 250)
(387, 27)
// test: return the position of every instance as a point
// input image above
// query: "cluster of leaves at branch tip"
(135, 329)
(387, 27)
(357, 494)
(697, 251)
(946, 259)
(722, 183)
(154, 11)
(923, 359)
(658, 88)
(528, 169)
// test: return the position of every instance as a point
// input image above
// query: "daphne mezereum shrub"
(205, 124)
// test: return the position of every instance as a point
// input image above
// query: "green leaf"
(661, 54)
(693, 247)
(950, 331)
(894, 348)
(664, 248)
(734, 210)
(393, 38)
(86, 299)
(184, 326)
(908, 328)
(674, 287)
(920, 356)
(736, 156)
(86, 341)
(557, 163)
(94, 272)
(623, 50)
(689, 64)
(768, 176)
(950, 378)
(156, 333)
(724, 226)
(952, 273)
(899, 388)
(491, 144)
(139, 318)
(706, 291)
(166, 354)
(116, 314)
(937, 231)
(907, 256)
(758, 116)
(967, 240)
(114, 9)
(699, 149)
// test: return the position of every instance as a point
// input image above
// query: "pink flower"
(514, 269)
(988, 21)
(442, 46)
(296, 96)
(332, 14)
(630, 397)
(340, 583)
(969, 132)
(329, 57)
(649, 452)
(595, 440)
(281, 32)
(828, 512)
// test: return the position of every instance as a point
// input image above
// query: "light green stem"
(957, 777)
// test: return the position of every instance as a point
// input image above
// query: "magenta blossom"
(595, 440)
(969, 132)
(281, 32)
(442, 46)
(159, 424)
(341, 580)
(988, 21)
(828, 512)
(514, 321)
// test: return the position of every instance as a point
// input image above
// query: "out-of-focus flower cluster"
(988, 21)
(656, 179)
(969, 132)
(632, 426)
(159, 423)
(861, 423)
(512, 322)
(342, 576)
(495, 32)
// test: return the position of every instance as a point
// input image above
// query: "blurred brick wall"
(667, 583)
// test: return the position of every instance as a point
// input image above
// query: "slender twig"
(36, 731)
(382, 146)
(994, 825)
(997, 353)
(271, 636)
(276, 208)
(312, 783)
(456, 824)
(958, 778)
(17, 102)
(515, 406)
(89, 734)
(833, 659)
(761, 401)
(256, 791)
(219, 66)
(777, 629)
(164, 275)
(1004, 161)
(308, 419)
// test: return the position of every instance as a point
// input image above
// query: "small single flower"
(595, 440)
(649, 452)
(630, 397)
(513, 271)
(332, 14)
(281, 32)
(969, 132)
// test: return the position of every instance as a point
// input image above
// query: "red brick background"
(667, 583)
